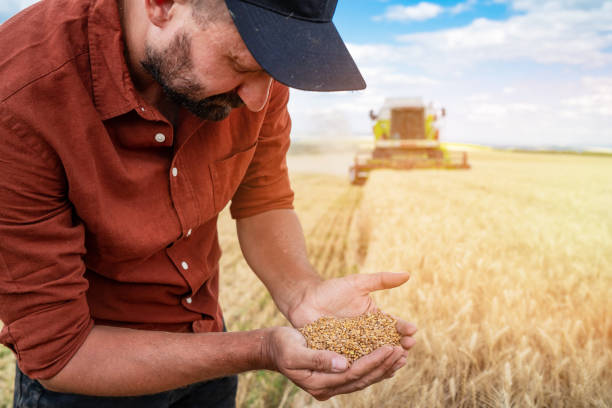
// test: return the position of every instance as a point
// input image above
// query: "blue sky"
(354, 19)
(509, 72)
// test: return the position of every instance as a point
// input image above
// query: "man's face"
(208, 72)
(173, 69)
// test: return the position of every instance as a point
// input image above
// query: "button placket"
(174, 181)
(174, 172)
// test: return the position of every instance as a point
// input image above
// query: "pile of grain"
(352, 337)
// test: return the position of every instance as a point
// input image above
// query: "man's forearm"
(121, 362)
(273, 245)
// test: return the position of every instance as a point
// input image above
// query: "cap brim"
(298, 53)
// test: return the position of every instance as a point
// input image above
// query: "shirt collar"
(113, 89)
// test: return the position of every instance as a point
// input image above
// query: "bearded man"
(126, 127)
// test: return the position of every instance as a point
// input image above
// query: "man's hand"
(324, 373)
(349, 297)
(342, 297)
(273, 244)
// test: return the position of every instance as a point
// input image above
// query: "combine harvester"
(406, 137)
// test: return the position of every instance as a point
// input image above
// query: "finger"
(400, 363)
(404, 328)
(387, 370)
(379, 281)
(356, 371)
(379, 373)
(318, 360)
(398, 355)
(407, 342)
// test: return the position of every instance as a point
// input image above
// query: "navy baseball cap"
(296, 42)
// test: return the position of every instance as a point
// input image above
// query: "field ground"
(511, 267)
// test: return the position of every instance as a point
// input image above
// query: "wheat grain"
(352, 337)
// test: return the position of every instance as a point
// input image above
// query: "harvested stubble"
(352, 337)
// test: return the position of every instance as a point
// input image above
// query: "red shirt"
(107, 212)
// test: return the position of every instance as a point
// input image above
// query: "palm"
(343, 297)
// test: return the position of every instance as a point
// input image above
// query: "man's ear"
(158, 11)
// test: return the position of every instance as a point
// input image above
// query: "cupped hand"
(349, 296)
(323, 373)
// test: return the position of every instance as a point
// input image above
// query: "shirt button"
(188, 300)
(174, 172)
(142, 109)
(184, 265)
(160, 138)
(189, 232)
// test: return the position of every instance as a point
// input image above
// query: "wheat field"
(511, 285)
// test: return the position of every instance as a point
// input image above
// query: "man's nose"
(254, 91)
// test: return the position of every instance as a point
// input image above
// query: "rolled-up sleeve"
(42, 289)
(266, 184)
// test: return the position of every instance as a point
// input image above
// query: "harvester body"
(406, 136)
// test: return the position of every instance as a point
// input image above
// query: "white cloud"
(552, 5)
(462, 7)
(595, 100)
(490, 111)
(420, 12)
(487, 112)
(526, 107)
(479, 97)
(382, 76)
(544, 35)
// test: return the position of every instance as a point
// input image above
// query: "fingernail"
(339, 364)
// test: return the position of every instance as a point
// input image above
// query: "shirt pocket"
(227, 174)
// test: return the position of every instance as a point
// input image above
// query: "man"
(126, 127)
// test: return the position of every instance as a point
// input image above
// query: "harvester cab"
(406, 136)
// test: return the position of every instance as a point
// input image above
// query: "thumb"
(379, 281)
(320, 360)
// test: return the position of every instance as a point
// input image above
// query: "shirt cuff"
(251, 201)
(43, 349)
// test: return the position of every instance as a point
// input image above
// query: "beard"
(172, 70)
